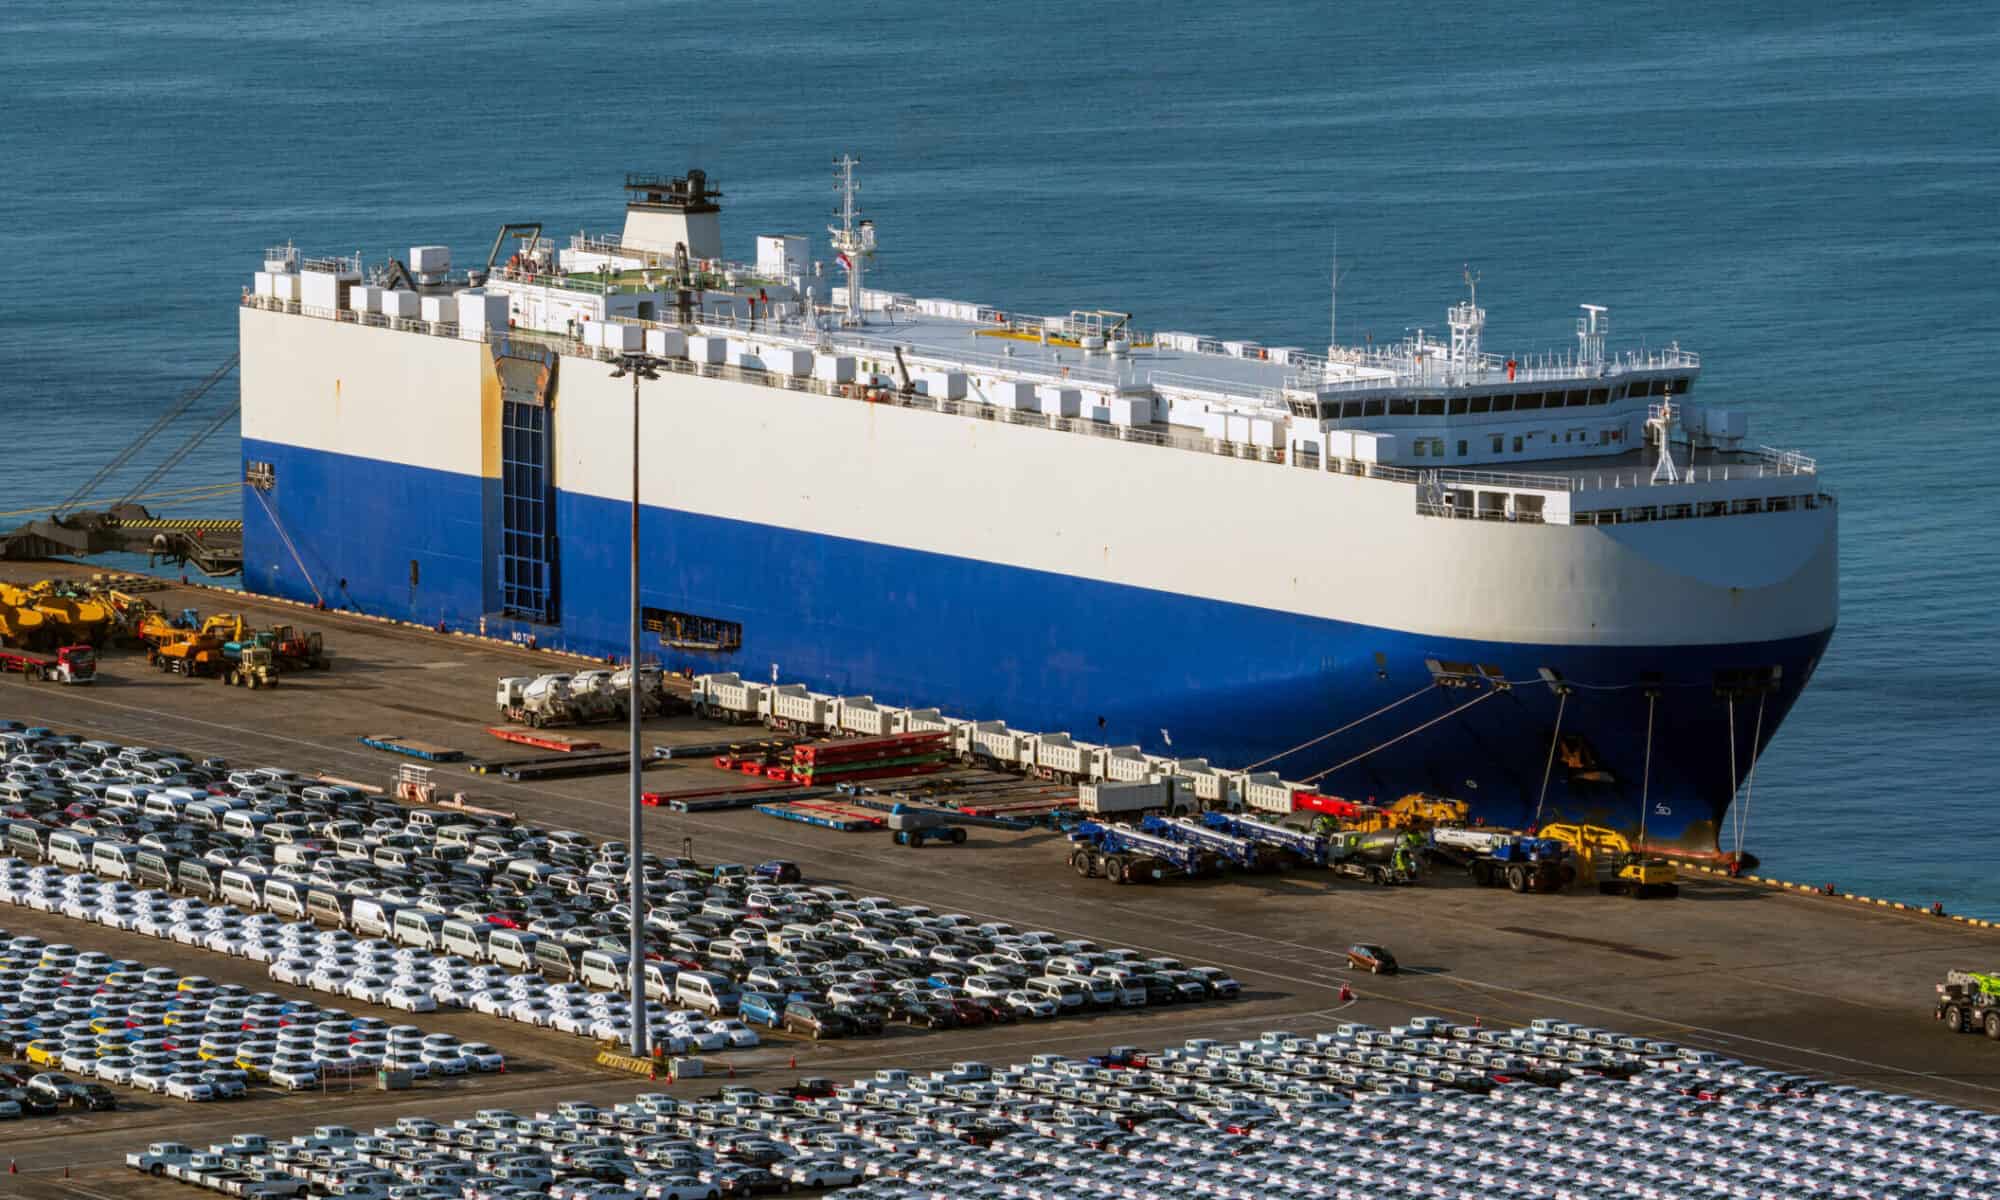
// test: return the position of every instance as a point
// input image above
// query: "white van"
(603, 969)
(113, 860)
(419, 928)
(244, 889)
(128, 795)
(286, 898)
(167, 805)
(467, 939)
(706, 991)
(513, 949)
(660, 981)
(371, 917)
(241, 823)
(70, 850)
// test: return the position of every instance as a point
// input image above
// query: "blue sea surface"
(1806, 194)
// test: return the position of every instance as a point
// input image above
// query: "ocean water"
(1804, 193)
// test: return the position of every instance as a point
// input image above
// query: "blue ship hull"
(1109, 663)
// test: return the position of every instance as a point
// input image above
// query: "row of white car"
(369, 971)
(1229, 1121)
(125, 1023)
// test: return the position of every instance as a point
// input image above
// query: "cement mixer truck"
(1385, 857)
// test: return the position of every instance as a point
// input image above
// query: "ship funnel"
(664, 211)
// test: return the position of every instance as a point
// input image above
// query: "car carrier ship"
(1555, 586)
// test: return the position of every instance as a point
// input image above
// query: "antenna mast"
(853, 237)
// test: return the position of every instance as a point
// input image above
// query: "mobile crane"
(1301, 845)
(1505, 856)
(1126, 855)
(1239, 852)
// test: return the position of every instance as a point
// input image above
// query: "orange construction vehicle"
(194, 654)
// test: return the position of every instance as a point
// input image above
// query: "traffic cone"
(1346, 993)
(653, 1076)
(732, 1070)
(793, 1062)
(65, 1170)
(1478, 1022)
(11, 1168)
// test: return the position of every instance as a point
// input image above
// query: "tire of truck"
(1954, 1018)
(1993, 1026)
(1079, 861)
(1482, 872)
(957, 836)
(1378, 876)
(1567, 875)
(1114, 868)
(1517, 878)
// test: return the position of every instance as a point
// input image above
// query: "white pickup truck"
(158, 1156)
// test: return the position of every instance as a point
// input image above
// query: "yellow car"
(178, 1017)
(107, 1025)
(195, 983)
(251, 1066)
(45, 1052)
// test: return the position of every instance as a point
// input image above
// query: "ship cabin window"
(1458, 406)
(1527, 401)
(1482, 404)
(1499, 442)
(1575, 399)
(1461, 447)
(1402, 406)
(1430, 406)
(1517, 443)
(1371, 408)
(1600, 395)
(1503, 404)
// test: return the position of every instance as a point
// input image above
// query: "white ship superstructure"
(1062, 521)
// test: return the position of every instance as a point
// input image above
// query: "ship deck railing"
(1650, 499)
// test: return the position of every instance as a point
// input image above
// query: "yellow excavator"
(1608, 857)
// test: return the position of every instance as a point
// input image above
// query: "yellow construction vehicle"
(23, 627)
(1606, 856)
(253, 668)
(1415, 812)
(78, 620)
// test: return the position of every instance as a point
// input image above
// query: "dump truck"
(1969, 1002)
(1605, 855)
(71, 664)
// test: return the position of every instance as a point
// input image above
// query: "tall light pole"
(639, 367)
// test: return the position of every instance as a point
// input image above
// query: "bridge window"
(1402, 406)
(1600, 395)
(1430, 406)
(1503, 404)
(1458, 406)
(1482, 404)
(1576, 399)
(1528, 401)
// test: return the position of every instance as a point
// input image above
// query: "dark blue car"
(779, 870)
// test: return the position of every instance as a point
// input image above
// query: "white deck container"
(666, 343)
